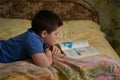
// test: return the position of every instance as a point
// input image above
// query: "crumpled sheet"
(99, 67)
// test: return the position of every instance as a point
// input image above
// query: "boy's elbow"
(48, 65)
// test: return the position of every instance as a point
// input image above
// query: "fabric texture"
(66, 9)
(64, 68)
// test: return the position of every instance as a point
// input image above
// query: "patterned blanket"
(100, 67)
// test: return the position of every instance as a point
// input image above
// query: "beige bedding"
(71, 30)
(87, 30)
(100, 67)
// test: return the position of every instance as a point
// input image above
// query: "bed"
(81, 22)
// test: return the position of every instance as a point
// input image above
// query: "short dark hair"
(46, 20)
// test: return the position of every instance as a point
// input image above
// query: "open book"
(78, 49)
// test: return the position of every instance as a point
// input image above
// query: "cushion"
(71, 30)
(12, 27)
(79, 29)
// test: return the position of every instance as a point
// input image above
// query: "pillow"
(71, 30)
(79, 29)
(12, 27)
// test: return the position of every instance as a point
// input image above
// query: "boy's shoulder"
(31, 35)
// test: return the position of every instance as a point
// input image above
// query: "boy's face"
(50, 39)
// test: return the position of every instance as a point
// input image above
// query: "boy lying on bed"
(36, 43)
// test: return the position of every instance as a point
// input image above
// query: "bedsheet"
(102, 67)
(99, 67)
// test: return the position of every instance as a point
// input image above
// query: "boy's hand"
(48, 52)
(55, 50)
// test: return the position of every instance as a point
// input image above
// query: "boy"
(36, 43)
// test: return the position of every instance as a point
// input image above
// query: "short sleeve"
(34, 45)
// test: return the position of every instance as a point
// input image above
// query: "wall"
(109, 11)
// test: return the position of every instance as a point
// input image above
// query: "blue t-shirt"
(21, 47)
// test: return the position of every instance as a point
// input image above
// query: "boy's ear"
(44, 33)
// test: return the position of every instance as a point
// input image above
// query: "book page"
(81, 52)
(75, 44)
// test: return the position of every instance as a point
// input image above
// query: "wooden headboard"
(66, 9)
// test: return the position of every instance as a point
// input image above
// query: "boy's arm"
(45, 59)
(42, 59)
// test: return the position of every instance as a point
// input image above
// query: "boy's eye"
(56, 34)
